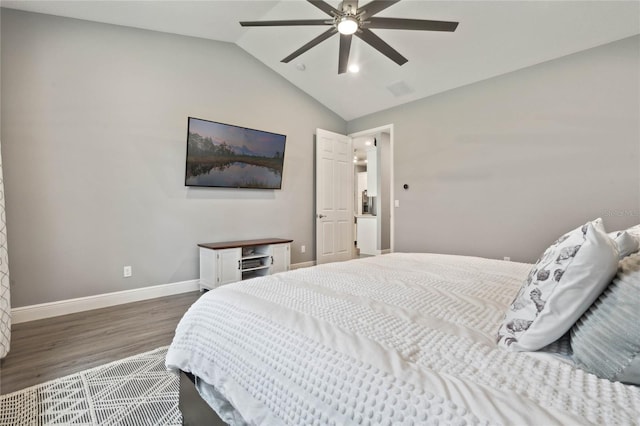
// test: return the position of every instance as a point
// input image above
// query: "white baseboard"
(303, 264)
(380, 252)
(70, 306)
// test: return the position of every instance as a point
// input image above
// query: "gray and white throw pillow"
(606, 339)
(560, 287)
(634, 231)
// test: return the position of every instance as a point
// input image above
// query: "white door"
(280, 258)
(229, 265)
(334, 197)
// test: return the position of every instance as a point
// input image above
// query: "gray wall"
(504, 166)
(93, 140)
(93, 143)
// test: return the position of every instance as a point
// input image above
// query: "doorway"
(373, 191)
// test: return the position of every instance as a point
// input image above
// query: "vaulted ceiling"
(493, 38)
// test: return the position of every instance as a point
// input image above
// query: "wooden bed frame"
(195, 411)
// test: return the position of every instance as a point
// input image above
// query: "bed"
(403, 338)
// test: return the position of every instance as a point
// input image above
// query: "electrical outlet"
(396, 203)
(507, 258)
(303, 249)
(126, 272)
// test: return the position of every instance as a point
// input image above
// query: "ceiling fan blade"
(374, 7)
(410, 24)
(381, 46)
(325, 7)
(343, 56)
(322, 37)
(286, 23)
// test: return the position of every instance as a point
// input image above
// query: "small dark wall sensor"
(405, 186)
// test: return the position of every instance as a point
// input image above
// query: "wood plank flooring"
(55, 347)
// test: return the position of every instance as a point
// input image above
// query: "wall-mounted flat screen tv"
(223, 155)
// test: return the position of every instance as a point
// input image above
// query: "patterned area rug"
(134, 391)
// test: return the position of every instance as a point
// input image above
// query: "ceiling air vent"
(399, 88)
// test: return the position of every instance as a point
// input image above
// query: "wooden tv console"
(231, 261)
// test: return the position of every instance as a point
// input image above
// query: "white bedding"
(394, 339)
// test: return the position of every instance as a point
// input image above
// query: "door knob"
(320, 216)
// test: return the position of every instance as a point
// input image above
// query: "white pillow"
(561, 286)
(627, 244)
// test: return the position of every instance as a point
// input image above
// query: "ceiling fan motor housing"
(349, 7)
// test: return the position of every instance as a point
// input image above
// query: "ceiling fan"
(349, 20)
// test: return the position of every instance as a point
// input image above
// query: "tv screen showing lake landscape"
(223, 155)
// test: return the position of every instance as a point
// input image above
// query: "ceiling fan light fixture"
(347, 25)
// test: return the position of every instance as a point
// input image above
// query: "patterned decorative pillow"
(626, 243)
(606, 339)
(561, 286)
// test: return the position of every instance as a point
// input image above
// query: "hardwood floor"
(55, 347)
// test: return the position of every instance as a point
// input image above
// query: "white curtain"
(5, 305)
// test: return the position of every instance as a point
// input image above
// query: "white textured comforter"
(395, 339)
